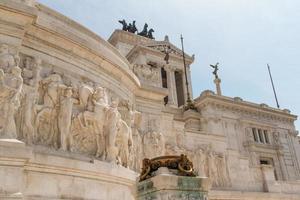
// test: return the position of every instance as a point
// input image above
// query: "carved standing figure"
(213, 171)
(123, 142)
(202, 163)
(47, 118)
(100, 107)
(64, 118)
(112, 118)
(136, 152)
(10, 90)
(28, 110)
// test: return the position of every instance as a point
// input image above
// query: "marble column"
(217, 81)
(172, 97)
(188, 72)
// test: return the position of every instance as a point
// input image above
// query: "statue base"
(169, 186)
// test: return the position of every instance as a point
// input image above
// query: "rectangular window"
(254, 134)
(266, 136)
(260, 136)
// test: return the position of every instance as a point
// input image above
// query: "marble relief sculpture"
(7, 60)
(110, 130)
(64, 118)
(41, 108)
(10, 90)
(148, 73)
(154, 144)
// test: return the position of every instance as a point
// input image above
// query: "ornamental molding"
(144, 50)
(244, 109)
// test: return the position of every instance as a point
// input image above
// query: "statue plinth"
(169, 186)
(217, 81)
(171, 177)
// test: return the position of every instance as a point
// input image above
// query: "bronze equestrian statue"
(150, 35)
(132, 28)
(123, 22)
(144, 31)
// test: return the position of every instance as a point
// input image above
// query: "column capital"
(169, 68)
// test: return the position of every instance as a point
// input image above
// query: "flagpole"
(189, 102)
(273, 86)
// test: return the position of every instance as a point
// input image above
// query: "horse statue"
(123, 22)
(149, 34)
(144, 31)
(132, 28)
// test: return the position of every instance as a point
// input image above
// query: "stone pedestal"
(165, 186)
(217, 81)
(192, 120)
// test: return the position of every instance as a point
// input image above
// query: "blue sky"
(242, 35)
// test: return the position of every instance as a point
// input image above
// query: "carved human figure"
(123, 142)
(28, 111)
(52, 86)
(64, 118)
(110, 130)
(7, 60)
(10, 89)
(222, 172)
(202, 162)
(213, 171)
(27, 70)
(47, 118)
(31, 70)
(136, 150)
(99, 100)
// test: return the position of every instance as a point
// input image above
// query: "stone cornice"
(19, 8)
(78, 27)
(84, 38)
(147, 50)
(244, 107)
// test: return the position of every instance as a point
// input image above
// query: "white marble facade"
(78, 114)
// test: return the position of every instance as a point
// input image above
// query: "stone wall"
(87, 116)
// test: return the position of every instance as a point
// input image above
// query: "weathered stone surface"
(78, 114)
